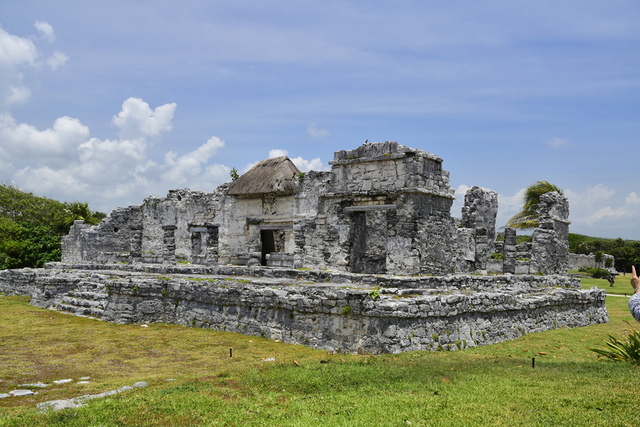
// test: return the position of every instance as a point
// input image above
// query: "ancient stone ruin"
(366, 257)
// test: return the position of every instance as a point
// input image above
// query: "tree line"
(31, 227)
(626, 252)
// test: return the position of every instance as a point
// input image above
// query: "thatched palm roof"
(276, 176)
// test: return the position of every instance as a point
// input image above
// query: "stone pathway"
(27, 387)
(56, 405)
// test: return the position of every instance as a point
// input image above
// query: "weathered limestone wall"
(550, 240)
(384, 208)
(580, 260)
(477, 232)
(430, 313)
(388, 167)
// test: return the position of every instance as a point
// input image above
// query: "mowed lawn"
(193, 381)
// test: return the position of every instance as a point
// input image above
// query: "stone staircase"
(88, 299)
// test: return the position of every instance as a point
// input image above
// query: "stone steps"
(89, 299)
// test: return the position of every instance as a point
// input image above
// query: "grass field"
(490, 385)
(621, 286)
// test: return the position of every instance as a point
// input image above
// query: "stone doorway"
(267, 237)
(369, 242)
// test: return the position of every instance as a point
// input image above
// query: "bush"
(627, 351)
(598, 273)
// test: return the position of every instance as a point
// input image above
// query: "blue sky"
(109, 102)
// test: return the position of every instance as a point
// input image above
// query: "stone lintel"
(391, 192)
(276, 226)
(365, 208)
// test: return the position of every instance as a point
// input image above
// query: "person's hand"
(635, 281)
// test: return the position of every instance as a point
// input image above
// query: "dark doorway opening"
(369, 241)
(268, 244)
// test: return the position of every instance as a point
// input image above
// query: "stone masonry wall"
(431, 313)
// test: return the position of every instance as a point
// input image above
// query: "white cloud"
(456, 208)
(16, 50)
(597, 207)
(182, 170)
(18, 94)
(137, 119)
(16, 53)
(309, 165)
(556, 142)
(277, 152)
(66, 163)
(301, 163)
(46, 30)
(56, 60)
(21, 141)
(316, 132)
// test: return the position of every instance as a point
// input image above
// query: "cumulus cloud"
(598, 206)
(309, 165)
(277, 153)
(137, 119)
(16, 55)
(66, 163)
(184, 169)
(16, 50)
(46, 30)
(23, 141)
(302, 164)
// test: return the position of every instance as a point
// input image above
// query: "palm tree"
(527, 218)
(77, 210)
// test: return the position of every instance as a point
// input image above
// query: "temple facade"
(384, 208)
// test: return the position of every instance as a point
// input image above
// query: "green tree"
(31, 227)
(528, 217)
(27, 245)
(79, 210)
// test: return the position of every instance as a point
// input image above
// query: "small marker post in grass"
(533, 362)
(230, 353)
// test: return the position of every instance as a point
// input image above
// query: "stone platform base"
(339, 312)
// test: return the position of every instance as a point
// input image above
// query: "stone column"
(509, 251)
(169, 241)
(211, 242)
(135, 253)
(479, 214)
(550, 240)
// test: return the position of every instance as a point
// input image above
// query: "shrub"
(598, 273)
(623, 351)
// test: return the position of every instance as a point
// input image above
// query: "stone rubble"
(57, 405)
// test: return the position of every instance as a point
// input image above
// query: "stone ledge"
(434, 313)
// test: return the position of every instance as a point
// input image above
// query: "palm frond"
(527, 218)
(622, 351)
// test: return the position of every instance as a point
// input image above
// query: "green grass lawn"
(489, 385)
(622, 285)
